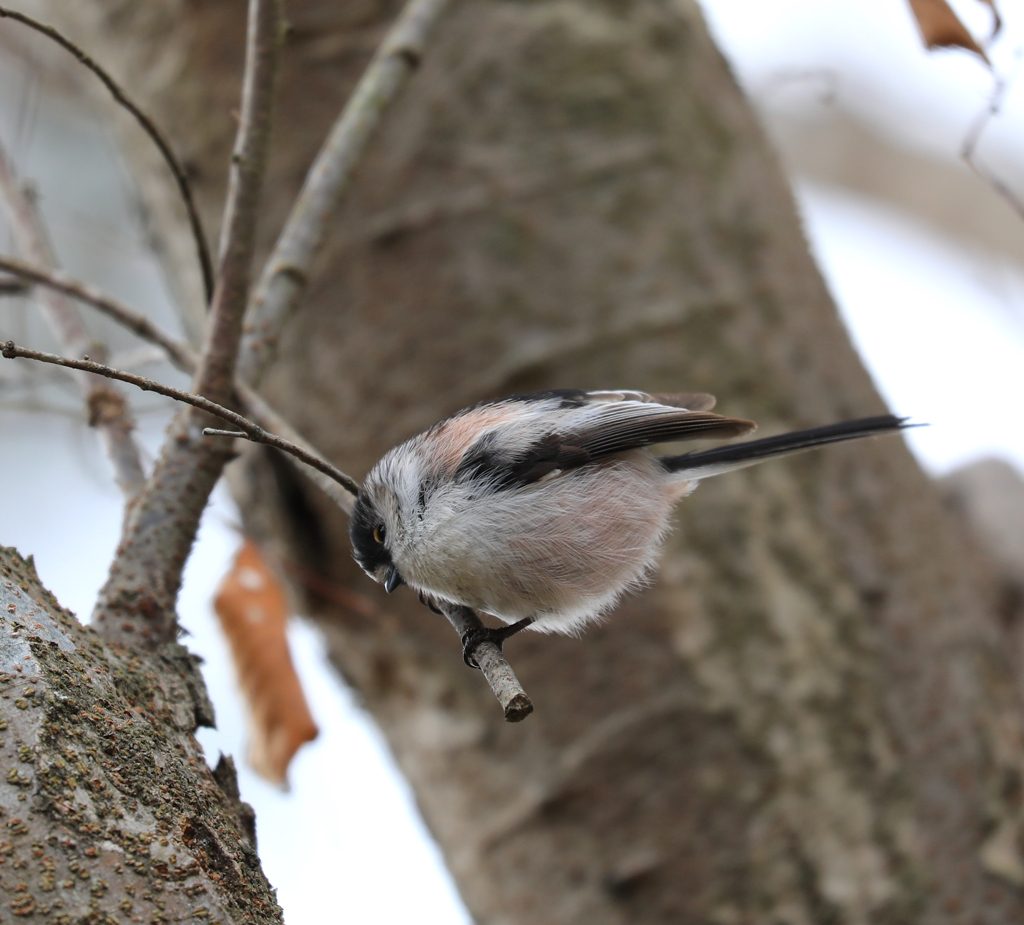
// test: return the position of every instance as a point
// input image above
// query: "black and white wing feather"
(536, 435)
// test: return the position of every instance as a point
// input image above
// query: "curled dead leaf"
(253, 613)
(941, 27)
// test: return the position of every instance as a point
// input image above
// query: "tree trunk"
(812, 715)
(109, 811)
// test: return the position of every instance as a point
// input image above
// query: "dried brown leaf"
(941, 27)
(254, 615)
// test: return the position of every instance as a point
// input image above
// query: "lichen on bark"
(108, 810)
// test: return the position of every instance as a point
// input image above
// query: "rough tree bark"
(811, 716)
(109, 812)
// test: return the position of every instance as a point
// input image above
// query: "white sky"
(873, 50)
(942, 331)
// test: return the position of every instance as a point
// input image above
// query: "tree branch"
(13, 287)
(969, 148)
(107, 409)
(340, 488)
(148, 126)
(216, 373)
(287, 270)
(185, 358)
(137, 602)
(178, 352)
(493, 665)
(248, 429)
(97, 815)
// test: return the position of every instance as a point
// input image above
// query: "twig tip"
(518, 708)
(215, 432)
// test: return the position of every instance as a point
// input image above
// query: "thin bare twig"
(186, 359)
(247, 428)
(342, 491)
(287, 270)
(493, 665)
(219, 359)
(13, 287)
(148, 126)
(107, 409)
(970, 146)
(178, 352)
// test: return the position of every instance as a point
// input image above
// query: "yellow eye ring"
(378, 534)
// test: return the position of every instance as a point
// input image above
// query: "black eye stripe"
(368, 551)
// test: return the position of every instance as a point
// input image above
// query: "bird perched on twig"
(542, 509)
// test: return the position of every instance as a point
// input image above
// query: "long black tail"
(705, 463)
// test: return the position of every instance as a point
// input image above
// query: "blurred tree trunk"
(812, 715)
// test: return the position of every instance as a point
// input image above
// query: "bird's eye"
(378, 534)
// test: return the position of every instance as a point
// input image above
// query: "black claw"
(473, 638)
(428, 603)
(478, 634)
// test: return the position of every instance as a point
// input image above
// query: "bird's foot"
(429, 603)
(481, 634)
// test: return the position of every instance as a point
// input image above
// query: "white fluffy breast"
(561, 550)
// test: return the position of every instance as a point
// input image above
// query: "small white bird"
(542, 509)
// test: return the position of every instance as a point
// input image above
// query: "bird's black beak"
(393, 580)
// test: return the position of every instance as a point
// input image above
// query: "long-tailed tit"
(541, 509)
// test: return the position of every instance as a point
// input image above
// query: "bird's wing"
(552, 431)
(604, 427)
